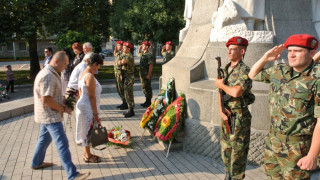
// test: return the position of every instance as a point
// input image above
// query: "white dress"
(84, 113)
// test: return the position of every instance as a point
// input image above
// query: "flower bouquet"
(152, 113)
(70, 97)
(170, 121)
(119, 136)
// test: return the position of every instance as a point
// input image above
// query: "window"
(22, 46)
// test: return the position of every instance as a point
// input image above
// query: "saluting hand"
(274, 53)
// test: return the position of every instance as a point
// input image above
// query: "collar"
(305, 72)
(236, 66)
(50, 68)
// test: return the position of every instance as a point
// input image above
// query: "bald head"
(59, 61)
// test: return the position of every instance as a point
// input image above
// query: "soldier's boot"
(228, 177)
(124, 106)
(143, 103)
(147, 103)
(129, 113)
(123, 103)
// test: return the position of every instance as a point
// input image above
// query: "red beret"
(120, 42)
(237, 40)
(128, 45)
(302, 40)
(146, 43)
(170, 43)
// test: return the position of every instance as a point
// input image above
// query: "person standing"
(167, 52)
(48, 55)
(78, 51)
(145, 72)
(117, 73)
(87, 47)
(127, 72)
(292, 146)
(10, 79)
(48, 111)
(237, 89)
(65, 74)
(88, 105)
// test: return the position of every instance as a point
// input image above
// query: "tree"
(31, 19)
(139, 20)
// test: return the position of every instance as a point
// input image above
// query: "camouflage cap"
(237, 40)
(302, 40)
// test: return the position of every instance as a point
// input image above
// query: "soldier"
(293, 145)
(117, 73)
(237, 88)
(167, 51)
(127, 72)
(146, 66)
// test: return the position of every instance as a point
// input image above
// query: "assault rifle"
(227, 112)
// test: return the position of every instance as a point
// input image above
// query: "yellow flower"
(166, 121)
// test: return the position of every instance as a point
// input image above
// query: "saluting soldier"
(146, 66)
(167, 52)
(117, 73)
(127, 72)
(236, 86)
(292, 146)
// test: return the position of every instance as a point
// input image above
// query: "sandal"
(92, 159)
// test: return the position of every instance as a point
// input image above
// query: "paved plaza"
(145, 160)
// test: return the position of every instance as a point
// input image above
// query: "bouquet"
(70, 97)
(170, 121)
(152, 113)
(119, 136)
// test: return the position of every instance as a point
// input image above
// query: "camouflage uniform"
(145, 61)
(127, 71)
(294, 100)
(167, 56)
(234, 147)
(117, 74)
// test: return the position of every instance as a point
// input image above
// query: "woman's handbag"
(97, 135)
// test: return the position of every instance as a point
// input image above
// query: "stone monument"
(264, 23)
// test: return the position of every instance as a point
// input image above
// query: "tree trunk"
(34, 59)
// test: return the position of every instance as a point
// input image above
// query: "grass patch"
(105, 72)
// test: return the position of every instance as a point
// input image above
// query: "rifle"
(228, 122)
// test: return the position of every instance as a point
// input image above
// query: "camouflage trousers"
(128, 81)
(235, 147)
(146, 85)
(119, 84)
(281, 157)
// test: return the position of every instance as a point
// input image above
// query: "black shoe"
(123, 102)
(147, 103)
(228, 177)
(129, 113)
(125, 106)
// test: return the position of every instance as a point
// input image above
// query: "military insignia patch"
(245, 77)
(238, 40)
(313, 43)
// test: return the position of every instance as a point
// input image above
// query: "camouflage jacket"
(294, 100)
(129, 66)
(116, 59)
(238, 77)
(145, 60)
(167, 56)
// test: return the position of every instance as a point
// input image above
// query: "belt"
(283, 137)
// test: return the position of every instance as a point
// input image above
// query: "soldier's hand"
(219, 83)
(274, 53)
(307, 163)
(148, 77)
(164, 47)
(224, 116)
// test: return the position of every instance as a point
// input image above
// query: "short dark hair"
(95, 58)
(49, 49)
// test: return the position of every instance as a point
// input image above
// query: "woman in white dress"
(88, 105)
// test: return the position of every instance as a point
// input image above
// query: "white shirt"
(75, 75)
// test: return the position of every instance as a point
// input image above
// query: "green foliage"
(65, 40)
(138, 20)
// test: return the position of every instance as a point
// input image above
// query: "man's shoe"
(82, 176)
(228, 177)
(43, 165)
(125, 106)
(123, 103)
(147, 103)
(129, 113)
